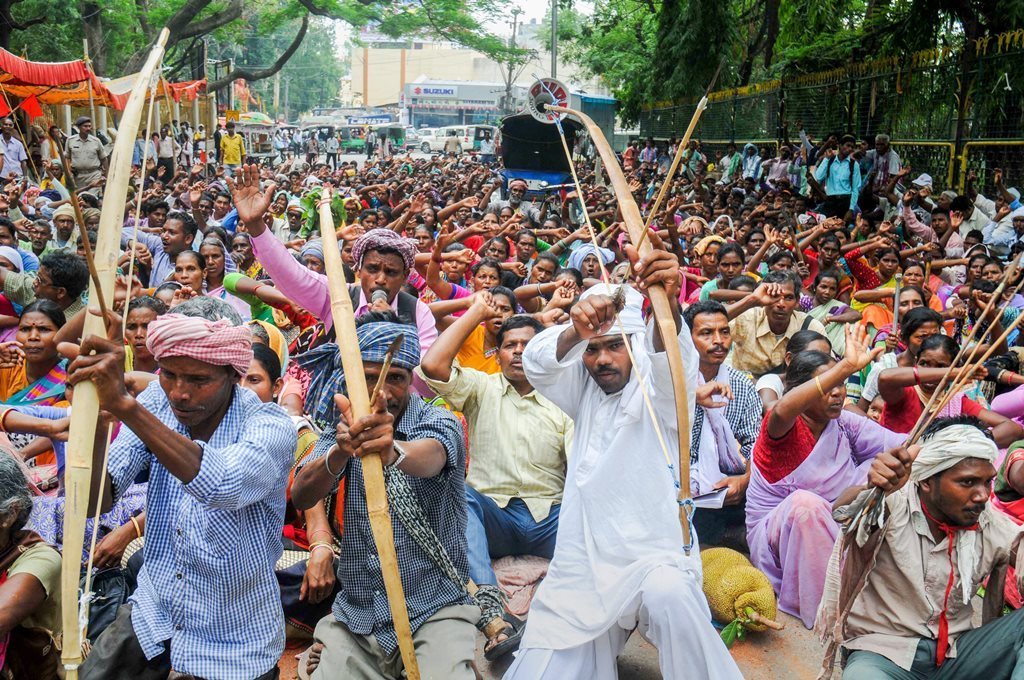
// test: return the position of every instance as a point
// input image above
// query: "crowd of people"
(820, 297)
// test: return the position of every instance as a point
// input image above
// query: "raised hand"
(249, 201)
(858, 354)
(891, 469)
(183, 294)
(194, 194)
(956, 218)
(593, 316)
(564, 295)
(350, 232)
(657, 268)
(768, 294)
(484, 306)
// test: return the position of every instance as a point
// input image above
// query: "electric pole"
(554, 38)
(511, 63)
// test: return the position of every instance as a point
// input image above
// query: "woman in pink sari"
(810, 449)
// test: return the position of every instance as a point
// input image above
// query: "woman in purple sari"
(809, 451)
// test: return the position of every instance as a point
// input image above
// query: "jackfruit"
(737, 592)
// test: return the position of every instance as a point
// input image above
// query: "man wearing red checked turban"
(217, 459)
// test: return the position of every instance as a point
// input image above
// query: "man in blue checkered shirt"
(424, 456)
(721, 439)
(208, 604)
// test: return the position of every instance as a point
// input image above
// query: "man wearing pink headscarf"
(217, 459)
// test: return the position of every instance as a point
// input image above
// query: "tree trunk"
(8, 24)
(92, 27)
(183, 25)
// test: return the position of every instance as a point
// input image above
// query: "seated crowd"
(821, 303)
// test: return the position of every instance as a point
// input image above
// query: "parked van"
(469, 136)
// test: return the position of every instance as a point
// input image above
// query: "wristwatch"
(401, 456)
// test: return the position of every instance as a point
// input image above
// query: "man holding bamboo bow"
(619, 560)
(217, 459)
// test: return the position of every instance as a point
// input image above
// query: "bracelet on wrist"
(321, 544)
(138, 529)
(327, 466)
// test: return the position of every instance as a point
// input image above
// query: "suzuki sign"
(434, 91)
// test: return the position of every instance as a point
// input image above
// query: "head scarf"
(90, 212)
(14, 257)
(385, 239)
(314, 248)
(631, 317)
(276, 341)
(65, 210)
(702, 245)
(323, 363)
(517, 184)
(949, 446)
(579, 254)
(219, 343)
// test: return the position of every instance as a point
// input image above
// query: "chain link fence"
(948, 111)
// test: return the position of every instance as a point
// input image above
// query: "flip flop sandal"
(510, 643)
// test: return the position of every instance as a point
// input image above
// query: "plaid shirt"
(743, 414)
(362, 603)
(208, 584)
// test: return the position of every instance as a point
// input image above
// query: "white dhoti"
(671, 613)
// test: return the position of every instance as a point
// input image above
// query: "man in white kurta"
(619, 560)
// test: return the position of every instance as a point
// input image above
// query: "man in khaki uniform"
(87, 156)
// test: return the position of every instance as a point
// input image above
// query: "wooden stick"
(895, 303)
(966, 376)
(694, 119)
(389, 356)
(83, 233)
(78, 473)
(373, 471)
(916, 431)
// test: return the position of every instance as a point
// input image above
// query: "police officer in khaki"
(87, 156)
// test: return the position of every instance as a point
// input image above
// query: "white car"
(429, 140)
(412, 138)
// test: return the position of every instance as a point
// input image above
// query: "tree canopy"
(656, 50)
(261, 35)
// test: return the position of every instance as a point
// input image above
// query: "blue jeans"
(496, 532)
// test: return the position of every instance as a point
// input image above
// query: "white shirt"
(619, 517)
(14, 154)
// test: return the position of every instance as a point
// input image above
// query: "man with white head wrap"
(940, 542)
(619, 558)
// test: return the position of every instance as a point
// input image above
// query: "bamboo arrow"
(701, 105)
(78, 473)
(373, 471)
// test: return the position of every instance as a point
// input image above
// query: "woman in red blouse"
(905, 391)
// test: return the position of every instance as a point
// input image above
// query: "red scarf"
(942, 645)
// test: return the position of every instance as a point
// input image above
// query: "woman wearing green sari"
(832, 313)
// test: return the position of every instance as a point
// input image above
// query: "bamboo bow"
(373, 471)
(78, 473)
(661, 305)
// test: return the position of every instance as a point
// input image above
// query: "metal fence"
(947, 110)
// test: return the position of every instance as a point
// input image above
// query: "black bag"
(110, 591)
